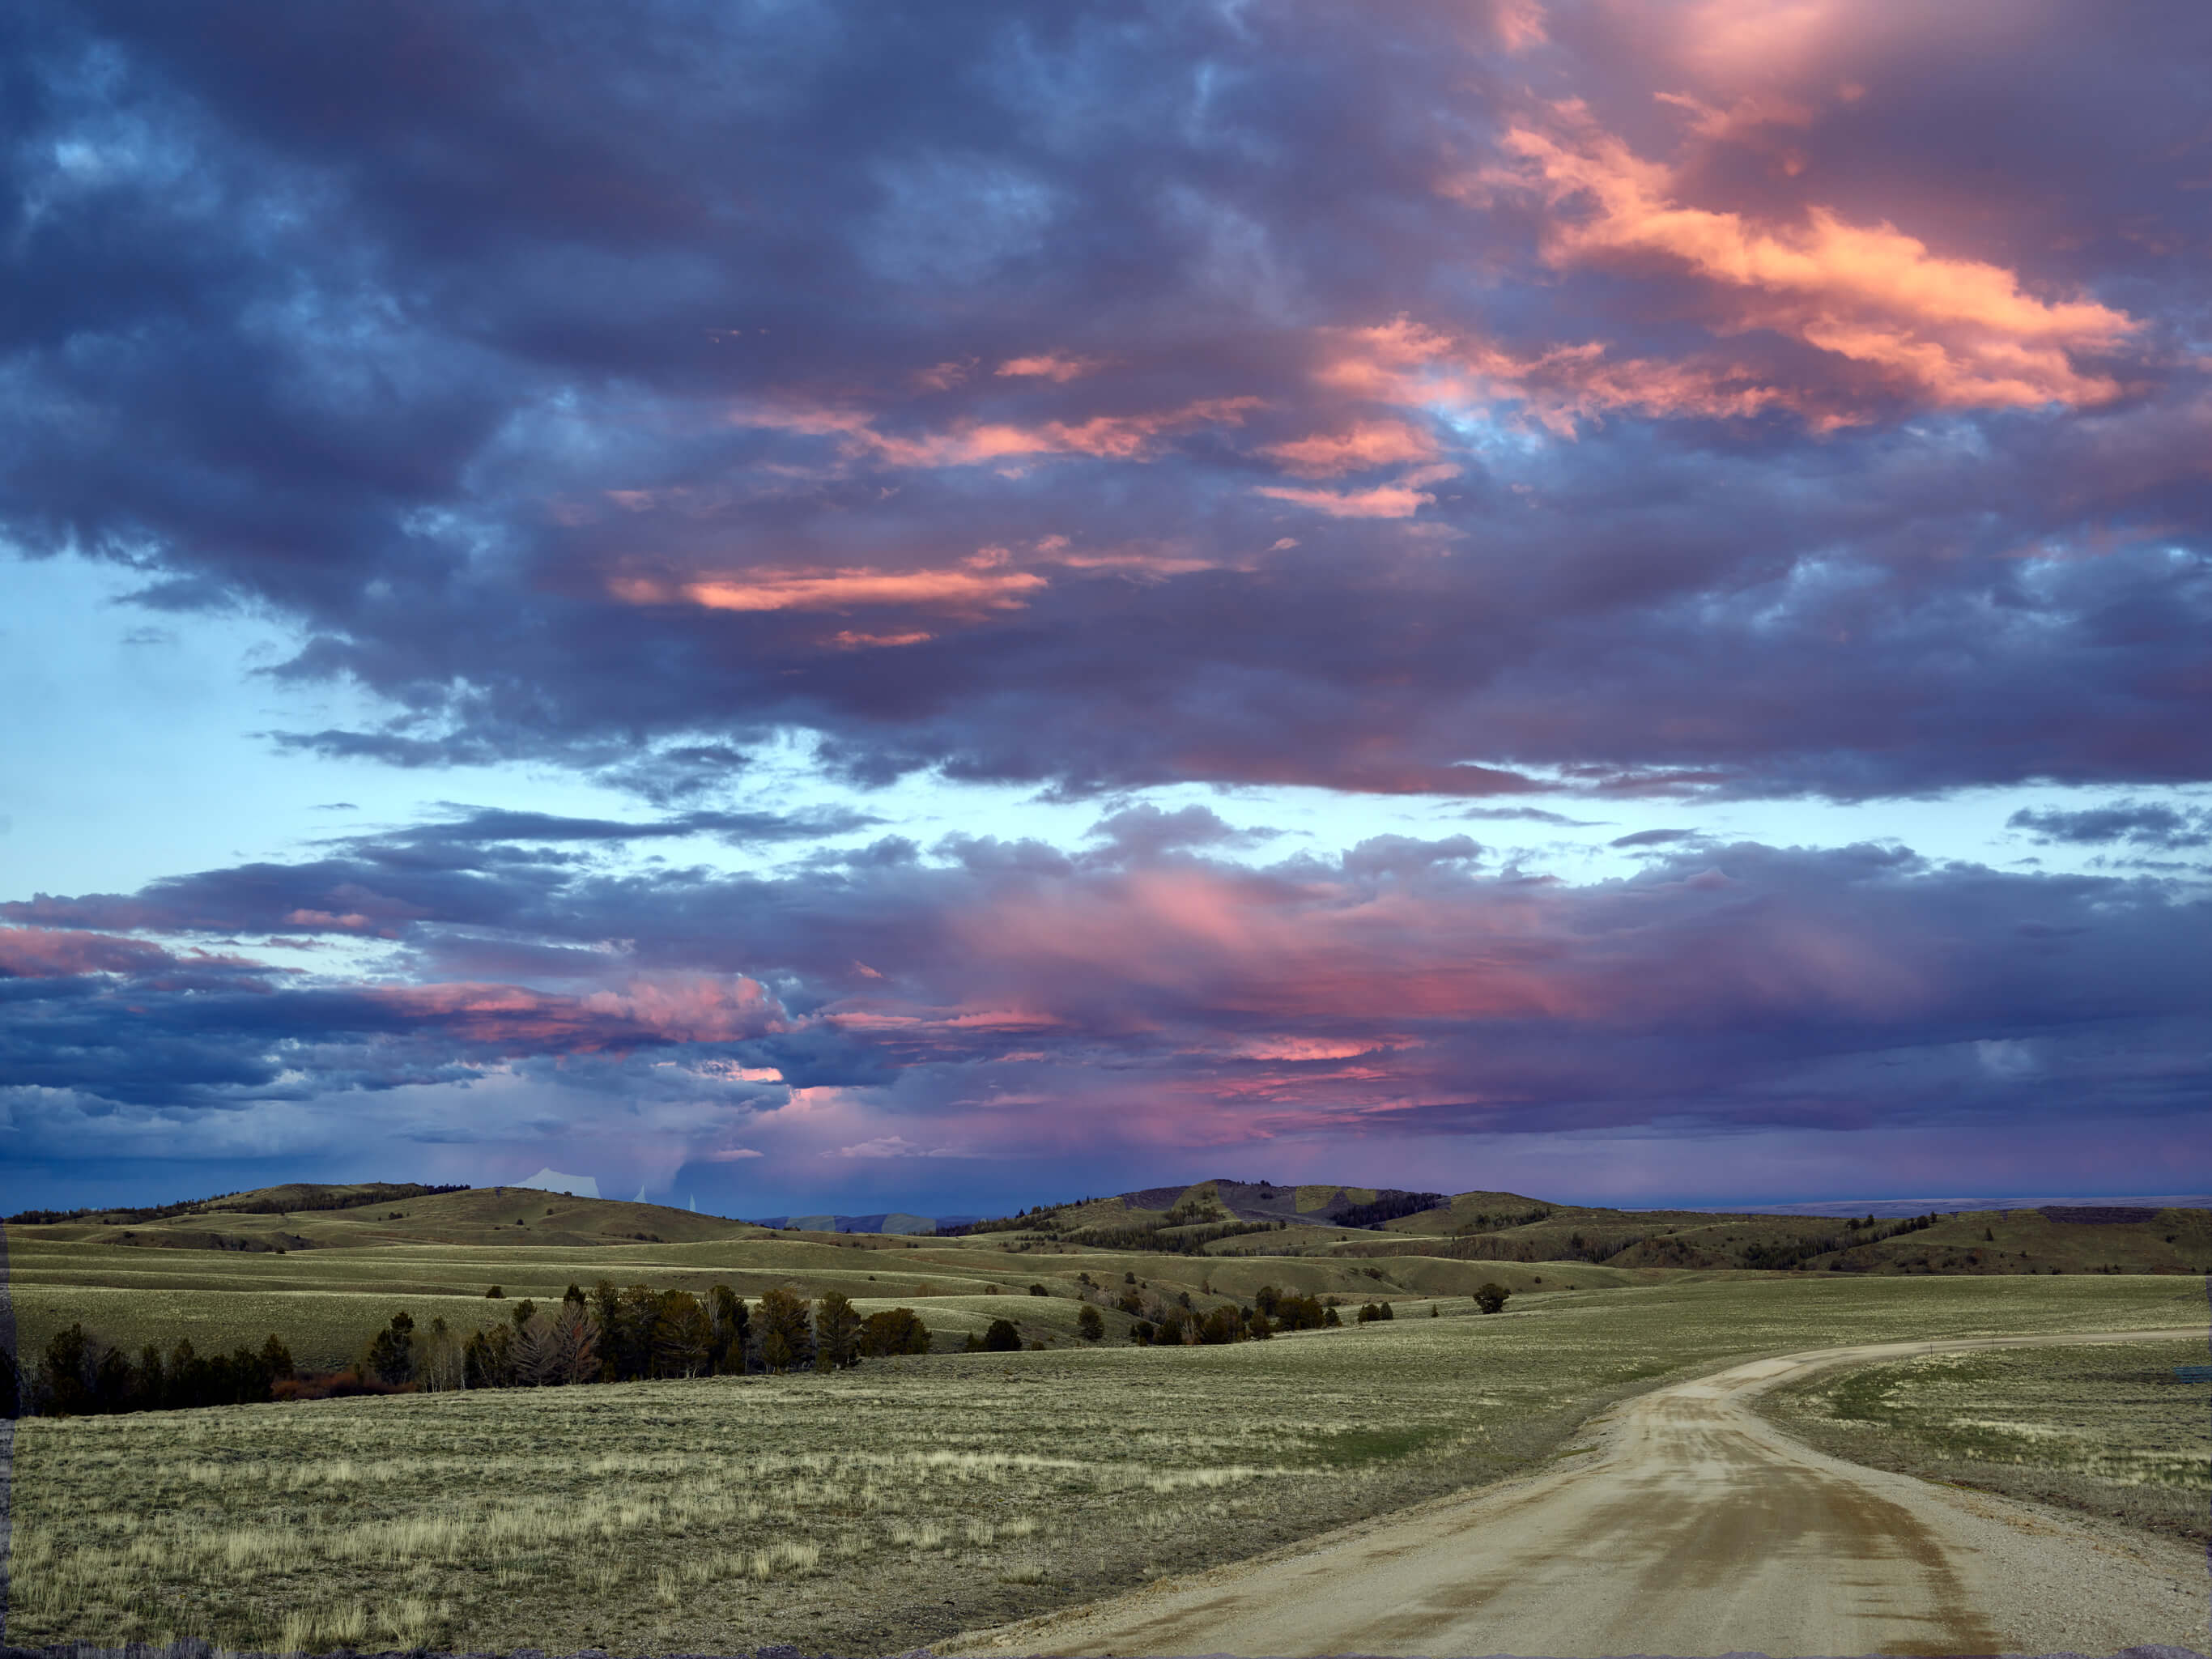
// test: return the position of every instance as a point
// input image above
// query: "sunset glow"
(957, 608)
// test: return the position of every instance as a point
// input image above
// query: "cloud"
(1130, 437)
(1153, 991)
(1366, 444)
(1783, 409)
(2140, 824)
(1947, 332)
(966, 588)
(1392, 501)
(1050, 366)
(893, 1146)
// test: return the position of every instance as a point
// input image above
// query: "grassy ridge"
(722, 1513)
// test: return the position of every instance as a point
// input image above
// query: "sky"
(799, 606)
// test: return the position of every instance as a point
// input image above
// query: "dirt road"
(1690, 1527)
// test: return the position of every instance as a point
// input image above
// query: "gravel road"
(1688, 1525)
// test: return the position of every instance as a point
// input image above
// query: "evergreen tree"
(836, 1332)
(731, 1321)
(786, 1340)
(893, 1331)
(392, 1351)
(683, 1336)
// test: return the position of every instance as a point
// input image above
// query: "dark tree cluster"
(1294, 1313)
(605, 1335)
(1389, 1207)
(81, 1376)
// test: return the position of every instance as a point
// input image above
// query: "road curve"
(1692, 1527)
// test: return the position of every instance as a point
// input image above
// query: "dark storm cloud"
(1101, 395)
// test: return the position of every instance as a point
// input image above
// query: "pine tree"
(786, 1340)
(683, 1336)
(836, 1332)
(392, 1351)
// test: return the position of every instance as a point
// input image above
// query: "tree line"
(608, 1334)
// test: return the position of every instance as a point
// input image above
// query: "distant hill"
(1216, 1218)
(304, 1216)
(1222, 1217)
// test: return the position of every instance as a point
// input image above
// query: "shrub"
(1039, 1290)
(1002, 1338)
(1089, 1325)
(1491, 1297)
(494, 1294)
(1141, 1333)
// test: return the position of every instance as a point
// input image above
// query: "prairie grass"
(876, 1509)
(2105, 1430)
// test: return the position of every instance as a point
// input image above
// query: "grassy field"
(325, 1302)
(2105, 1430)
(876, 1509)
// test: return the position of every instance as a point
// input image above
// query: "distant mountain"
(892, 1221)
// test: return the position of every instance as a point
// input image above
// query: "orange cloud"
(1952, 333)
(1367, 443)
(980, 584)
(1108, 437)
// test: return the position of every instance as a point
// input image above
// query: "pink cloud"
(846, 639)
(1365, 444)
(351, 922)
(1400, 500)
(674, 1008)
(1051, 366)
(43, 953)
